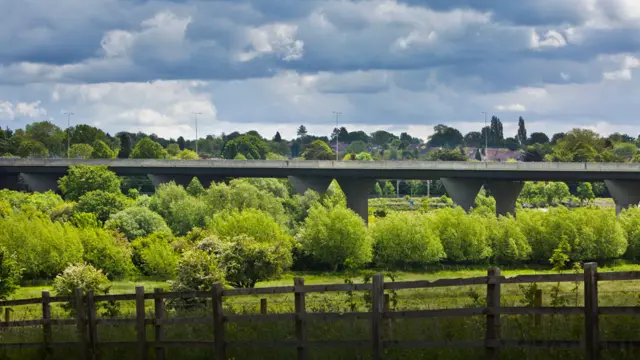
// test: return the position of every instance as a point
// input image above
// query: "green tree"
(336, 237)
(496, 133)
(48, 134)
(522, 132)
(148, 149)
(250, 222)
(277, 138)
(318, 150)
(389, 189)
(135, 222)
(447, 155)
(625, 151)
(101, 203)
(32, 148)
(251, 147)
(357, 147)
(464, 237)
(173, 149)
(81, 179)
(445, 136)
(83, 276)
(364, 156)
(474, 139)
(155, 256)
(538, 138)
(404, 239)
(197, 270)
(378, 190)
(240, 157)
(80, 151)
(302, 132)
(195, 188)
(10, 274)
(585, 192)
(102, 151)
(382, 137)
(106, 251)
(126, 145)
(508, 243)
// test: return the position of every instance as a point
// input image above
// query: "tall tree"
(522, 132)
(473, 139)
(318, 150)
(181, 143)
(277, 138)
(251, 147)
(538, 138)
(302, 131)
(126, 145)
(445, 136)
(48, 134)
(148, 149)
(496, 133)
(382, 137)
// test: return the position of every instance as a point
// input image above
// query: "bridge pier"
(9, 181)
(357, 193)
(303, 183)
(506, 193)
(463, 192)
(625, 193)
(38, 182)
(183, 180)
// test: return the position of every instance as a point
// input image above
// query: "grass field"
(554, 327)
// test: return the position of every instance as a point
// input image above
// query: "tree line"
(45, 139)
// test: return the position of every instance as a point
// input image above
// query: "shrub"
(251, 222)
(85, 277)
(195, 188)
(599, 237)
(5, 209)
(101, 203)
(107, 252)
(508, 242)
(42, 247)
(336, 237)
(155, 256)
(42, 202)
(62, 213)
(630, 221)
(405, 239)
(165, 195)
(186, 214)
(85, 220)
(197, 270)
(463, 236)
(81, 179)
(276, 187)
(135, 222)
(240, 195)
(247, 261)
(10, 274)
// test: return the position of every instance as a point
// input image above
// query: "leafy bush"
(336, 237)
(135, 222)
(155, 256)
(508, 243)
(107, 252)
(42, 202)
(187, 214)
(195, 188)
(463, 236)
(101, 203)
(251, 222)
(81, 179)
(240, 195)
(630, 221)
(247, 261)
(165, 195)
(402, 239)
(85, 277)
(10, 274)
(63, 213)
(274, 186)
(197, 270)
(42, 247)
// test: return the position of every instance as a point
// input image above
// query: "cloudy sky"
(399, 65)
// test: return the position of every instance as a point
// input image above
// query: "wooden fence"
(87, 322)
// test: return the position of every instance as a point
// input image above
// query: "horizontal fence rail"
(87, 322)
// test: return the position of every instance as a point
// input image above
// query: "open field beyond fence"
(379, 319)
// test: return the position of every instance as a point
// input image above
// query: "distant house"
(342, 146)
(501, 155)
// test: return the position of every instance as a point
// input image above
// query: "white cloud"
(511, 107)
(279, 39)
(627, 63)
(6, 111)
(10, 111)
(552, 39)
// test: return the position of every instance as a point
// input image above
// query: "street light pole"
(337, 114)
(69, 113)
(196, 115)
(486, 138)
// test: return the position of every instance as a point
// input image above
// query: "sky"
(272, 65)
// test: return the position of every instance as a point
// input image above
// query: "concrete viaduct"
(462, 180)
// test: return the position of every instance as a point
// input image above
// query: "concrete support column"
(506, 193)
(463, 192)
(9, 181)
(302, 184)
(37, 182)
(357, 192)
(625, 193)
(184, 180)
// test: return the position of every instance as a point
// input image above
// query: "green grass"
(440, 329)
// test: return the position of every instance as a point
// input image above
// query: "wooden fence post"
(263, 306)
(301, 325)
(140, 323)
(592, 332)
(159, 332)
(7, 315)
(537, 302)
(93, 327)
(218, 323)
(377, 308)
(492, 335)
(46, 327)
(81, 323)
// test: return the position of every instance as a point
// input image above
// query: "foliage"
(389, 189)
(508, 243)
(447, 155)
(187, 154)
(85, 277)
(247, 261)
(197, 270)
(135, 222)
(108, 252)
(101, 203)
(186, 214)
(81, 179)
(445, 136)
(464, 237)
(10, 274)
(297, 206)
(543, 194)
(195, 188)
(336, 237)
(251, 222)
(32, 148)
(318, 150)
(173, 149)
(80, 151)
(148, 149)
(42, 247)
(402, 239)
(154, 256)
(274, 186)
(584, 192)
(630, 221)
(240, 195)
(251, 147)
(240, 157)
(102, 151)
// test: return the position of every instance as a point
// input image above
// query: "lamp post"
(486, 138)
(69, 113)
(196, 116)
(337, 114)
